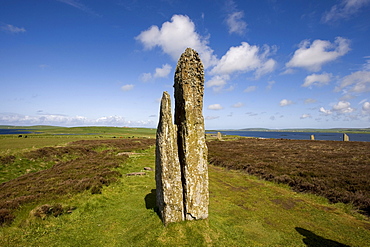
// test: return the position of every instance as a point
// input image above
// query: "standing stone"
(169, 191)
(192, 149)
(345, 137)
(219, 136)
(312, 137)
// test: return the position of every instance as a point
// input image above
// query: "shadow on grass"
(313, 240)
(151, 202)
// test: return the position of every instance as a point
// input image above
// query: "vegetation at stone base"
(79, 166)
(244, 211)
(339, 171)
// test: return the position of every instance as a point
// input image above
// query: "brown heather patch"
(339, 171)
(86, 168)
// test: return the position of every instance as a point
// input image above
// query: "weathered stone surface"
(192, 149)
(312, 137)
(169, 191)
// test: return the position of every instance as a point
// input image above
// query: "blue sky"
(268, 63)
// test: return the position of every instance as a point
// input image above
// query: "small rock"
(136, 174)
(148, 169)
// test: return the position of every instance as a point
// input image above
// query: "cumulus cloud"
(317, 80)
(215, 107)
(343, 107)
(159, 73)
(313, 56)
(250, 89)
(246, 58)
(175, 36)
(63, 120)
(285, 102)
(218, 82)
(235, 23)
(344, 10)
(145, 77)
(12, 29)
(305, 116)
(366, 108)
(237, 105)
(162, 72)
(309, 101)
(326, 112)
(357, 82)
(127, 87)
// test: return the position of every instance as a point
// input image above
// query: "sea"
(321, 136)
(16, 131)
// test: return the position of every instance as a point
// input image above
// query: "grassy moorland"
(339, 171)
(82, 197)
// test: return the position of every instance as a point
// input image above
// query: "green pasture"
(243, 211)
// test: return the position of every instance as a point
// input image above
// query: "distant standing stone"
(312, 137)
(219, 136)
(345, 137)
(169, 191)
(189, 90)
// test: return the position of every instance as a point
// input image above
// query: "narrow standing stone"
(345, 137)
(192, 149)
(219, 136)
(169, 191)
(312, 137)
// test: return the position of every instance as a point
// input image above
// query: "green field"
(243, 211)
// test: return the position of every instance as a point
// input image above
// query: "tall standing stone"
(169, 191)
(192, 149)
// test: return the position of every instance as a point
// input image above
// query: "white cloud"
(159, 73)
(305, 116)
(12, 29)
(175, 36)
(270, 84)
(215, 107)
(145, 77)
(366, 66)
(237, 105)
(313, 56)
(326, 112)
(211, 117)
(250, 89)
(127, 87)
(236, 23)
(78, 5)
(344, 10)
(309, 101)
(285, 102)
(343, 107)
(218, 82)
(245, 58)
(162, 72)
(358, 82)
(317, 80)
(62, 120)
(366, 108)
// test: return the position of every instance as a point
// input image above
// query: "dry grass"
(339, 171)
(80, 166)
